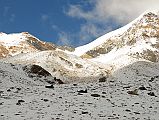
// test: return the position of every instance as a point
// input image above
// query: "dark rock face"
(37, 73)
(103, 79)
(59, 81)
(35, 69)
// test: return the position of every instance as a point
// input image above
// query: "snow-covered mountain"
(139, 40)
(23, 48)
(16, 43)
(13, 44)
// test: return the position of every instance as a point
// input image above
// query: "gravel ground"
(81, 101)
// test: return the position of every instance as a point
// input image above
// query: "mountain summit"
(17, 43)
(139, 40)
(13, 44)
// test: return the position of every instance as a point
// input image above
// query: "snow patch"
(11, 39)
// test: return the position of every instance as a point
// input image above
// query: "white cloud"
(76, 11)
(122, 11)
(6, 10)
(89, 31)
(64, 39)
(44, 17)
(7, 14)
(12, 18)
(55, 27)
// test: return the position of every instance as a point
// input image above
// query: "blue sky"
(66, 22)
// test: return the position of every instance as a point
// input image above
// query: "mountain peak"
(137, 40)
(23, 42)
(118, 32)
